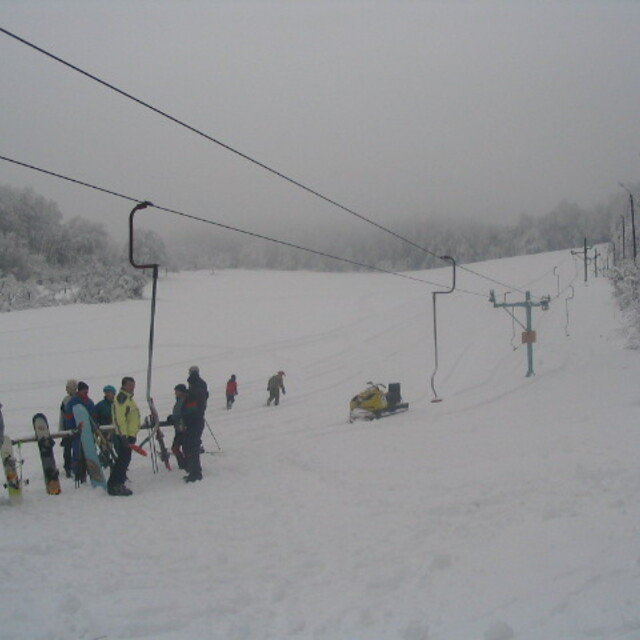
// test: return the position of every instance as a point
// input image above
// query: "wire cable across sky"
(225, 226)
(246, 157)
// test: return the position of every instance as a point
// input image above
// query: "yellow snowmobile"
(376, 402)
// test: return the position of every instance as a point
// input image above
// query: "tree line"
(45, 260)
(468, 241)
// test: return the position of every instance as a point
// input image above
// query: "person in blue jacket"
(104, 407)
(81, 397)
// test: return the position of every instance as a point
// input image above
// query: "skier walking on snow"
(231, 390)
(274, 386)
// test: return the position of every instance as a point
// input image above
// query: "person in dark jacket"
(274, 386)
(105, 406)
(231, 390)
(199, 384)
(193, 410)
(176, 419)
(66, 424)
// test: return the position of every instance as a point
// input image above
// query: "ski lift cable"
(111, 192)
(294, 246)
(210, 138)
(225, 226)
(526, 285)
(245, 156)
(514, 320)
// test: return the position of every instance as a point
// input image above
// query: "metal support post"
(633, 219)
(435, 325)
(154, 289)
(585, 258)
(566, 304)
(527, 297)
(529, 335)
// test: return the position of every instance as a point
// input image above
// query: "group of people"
(118, 408)
(188, 421)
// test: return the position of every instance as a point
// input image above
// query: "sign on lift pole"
(528, 335)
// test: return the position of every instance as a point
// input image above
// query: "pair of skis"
(152, 423)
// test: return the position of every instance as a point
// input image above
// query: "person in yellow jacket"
(126, 419)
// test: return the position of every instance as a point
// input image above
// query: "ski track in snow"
(509, 510)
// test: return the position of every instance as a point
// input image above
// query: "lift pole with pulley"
(528, 335)
(154, 267)
(436, 398)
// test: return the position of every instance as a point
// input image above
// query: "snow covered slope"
(508, 510)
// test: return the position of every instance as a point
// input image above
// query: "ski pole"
(212, 435)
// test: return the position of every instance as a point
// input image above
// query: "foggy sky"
(393, 108)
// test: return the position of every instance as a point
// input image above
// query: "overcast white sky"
(486, 109)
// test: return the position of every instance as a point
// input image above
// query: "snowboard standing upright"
(87, 439)
(45, 446)
(13, 483)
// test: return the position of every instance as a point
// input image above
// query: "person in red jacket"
(232, 390)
